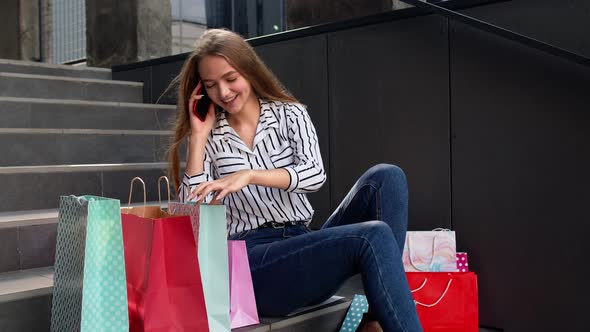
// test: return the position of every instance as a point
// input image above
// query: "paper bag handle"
(167, 187)
(439, 299)
(131, 193)
(433, 247)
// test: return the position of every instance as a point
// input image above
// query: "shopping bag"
(242, 310)
(445, 302)
(211, 236)
(430, 251)
(462, 262)
(355, 313)
(89, 292)
(164, 285)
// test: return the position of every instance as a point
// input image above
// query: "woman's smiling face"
(224, 84)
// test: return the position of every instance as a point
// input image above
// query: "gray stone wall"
(29, 30)
(9, 25)
(19, 23)
(154, 29)
(46, 30)
(119, 32)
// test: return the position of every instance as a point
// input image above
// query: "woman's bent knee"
(377, 231)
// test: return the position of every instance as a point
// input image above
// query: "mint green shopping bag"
(89, 291)
(355, 313)
(210, 231)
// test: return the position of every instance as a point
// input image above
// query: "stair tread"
(42, 216)
(26, 283)
(81, 167)
(26, 217)
(73, 79)
(78, 131)
(85, 102)
(53, 66)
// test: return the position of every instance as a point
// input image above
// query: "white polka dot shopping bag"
(89, 291)
(355, 313)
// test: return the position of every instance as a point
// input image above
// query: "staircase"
(64, 130)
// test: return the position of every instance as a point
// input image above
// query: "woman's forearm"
(274, 178)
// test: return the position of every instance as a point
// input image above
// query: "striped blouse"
(285, 138)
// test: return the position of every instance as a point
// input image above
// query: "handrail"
(511, 35)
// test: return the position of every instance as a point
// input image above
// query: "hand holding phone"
(201, 106)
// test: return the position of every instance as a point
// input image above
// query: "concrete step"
(323, 318)
(70, 114)
(28, 243)
(25, 300)
(32, 146)
(52, 87)
(39, 68)
(28, 238)
(37, 188)
(30, 290)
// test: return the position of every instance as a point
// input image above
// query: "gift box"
(462, 262)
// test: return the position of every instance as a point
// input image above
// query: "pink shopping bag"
(243, 310)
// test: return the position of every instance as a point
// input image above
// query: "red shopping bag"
(164, 288)
(243, 310)
(445, 301)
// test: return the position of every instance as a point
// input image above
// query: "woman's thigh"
(309, 268)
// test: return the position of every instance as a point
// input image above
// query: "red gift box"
(445, 301)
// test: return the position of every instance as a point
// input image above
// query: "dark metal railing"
(505, 33)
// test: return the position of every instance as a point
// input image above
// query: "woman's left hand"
(224, 186)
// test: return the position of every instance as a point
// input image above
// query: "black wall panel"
(389, 103)
(162, 75)
(156, 79)
(520, 170)
(560, 23)
(139, 74)
(301, 66)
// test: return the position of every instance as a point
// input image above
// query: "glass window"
(189, 20)
(68, 24)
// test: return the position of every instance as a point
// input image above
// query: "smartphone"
(201, 106)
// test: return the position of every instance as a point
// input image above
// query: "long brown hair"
(240, 55)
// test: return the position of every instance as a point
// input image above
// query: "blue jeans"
(294, 267)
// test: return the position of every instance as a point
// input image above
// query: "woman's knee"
(388, 170)
(377, 232)
(378, 240)
(388, 174)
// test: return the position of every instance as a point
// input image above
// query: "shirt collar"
(268, 119)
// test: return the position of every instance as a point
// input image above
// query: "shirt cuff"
(294, 178)
(191, 181)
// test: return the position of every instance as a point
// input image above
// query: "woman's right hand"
(198, 127)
